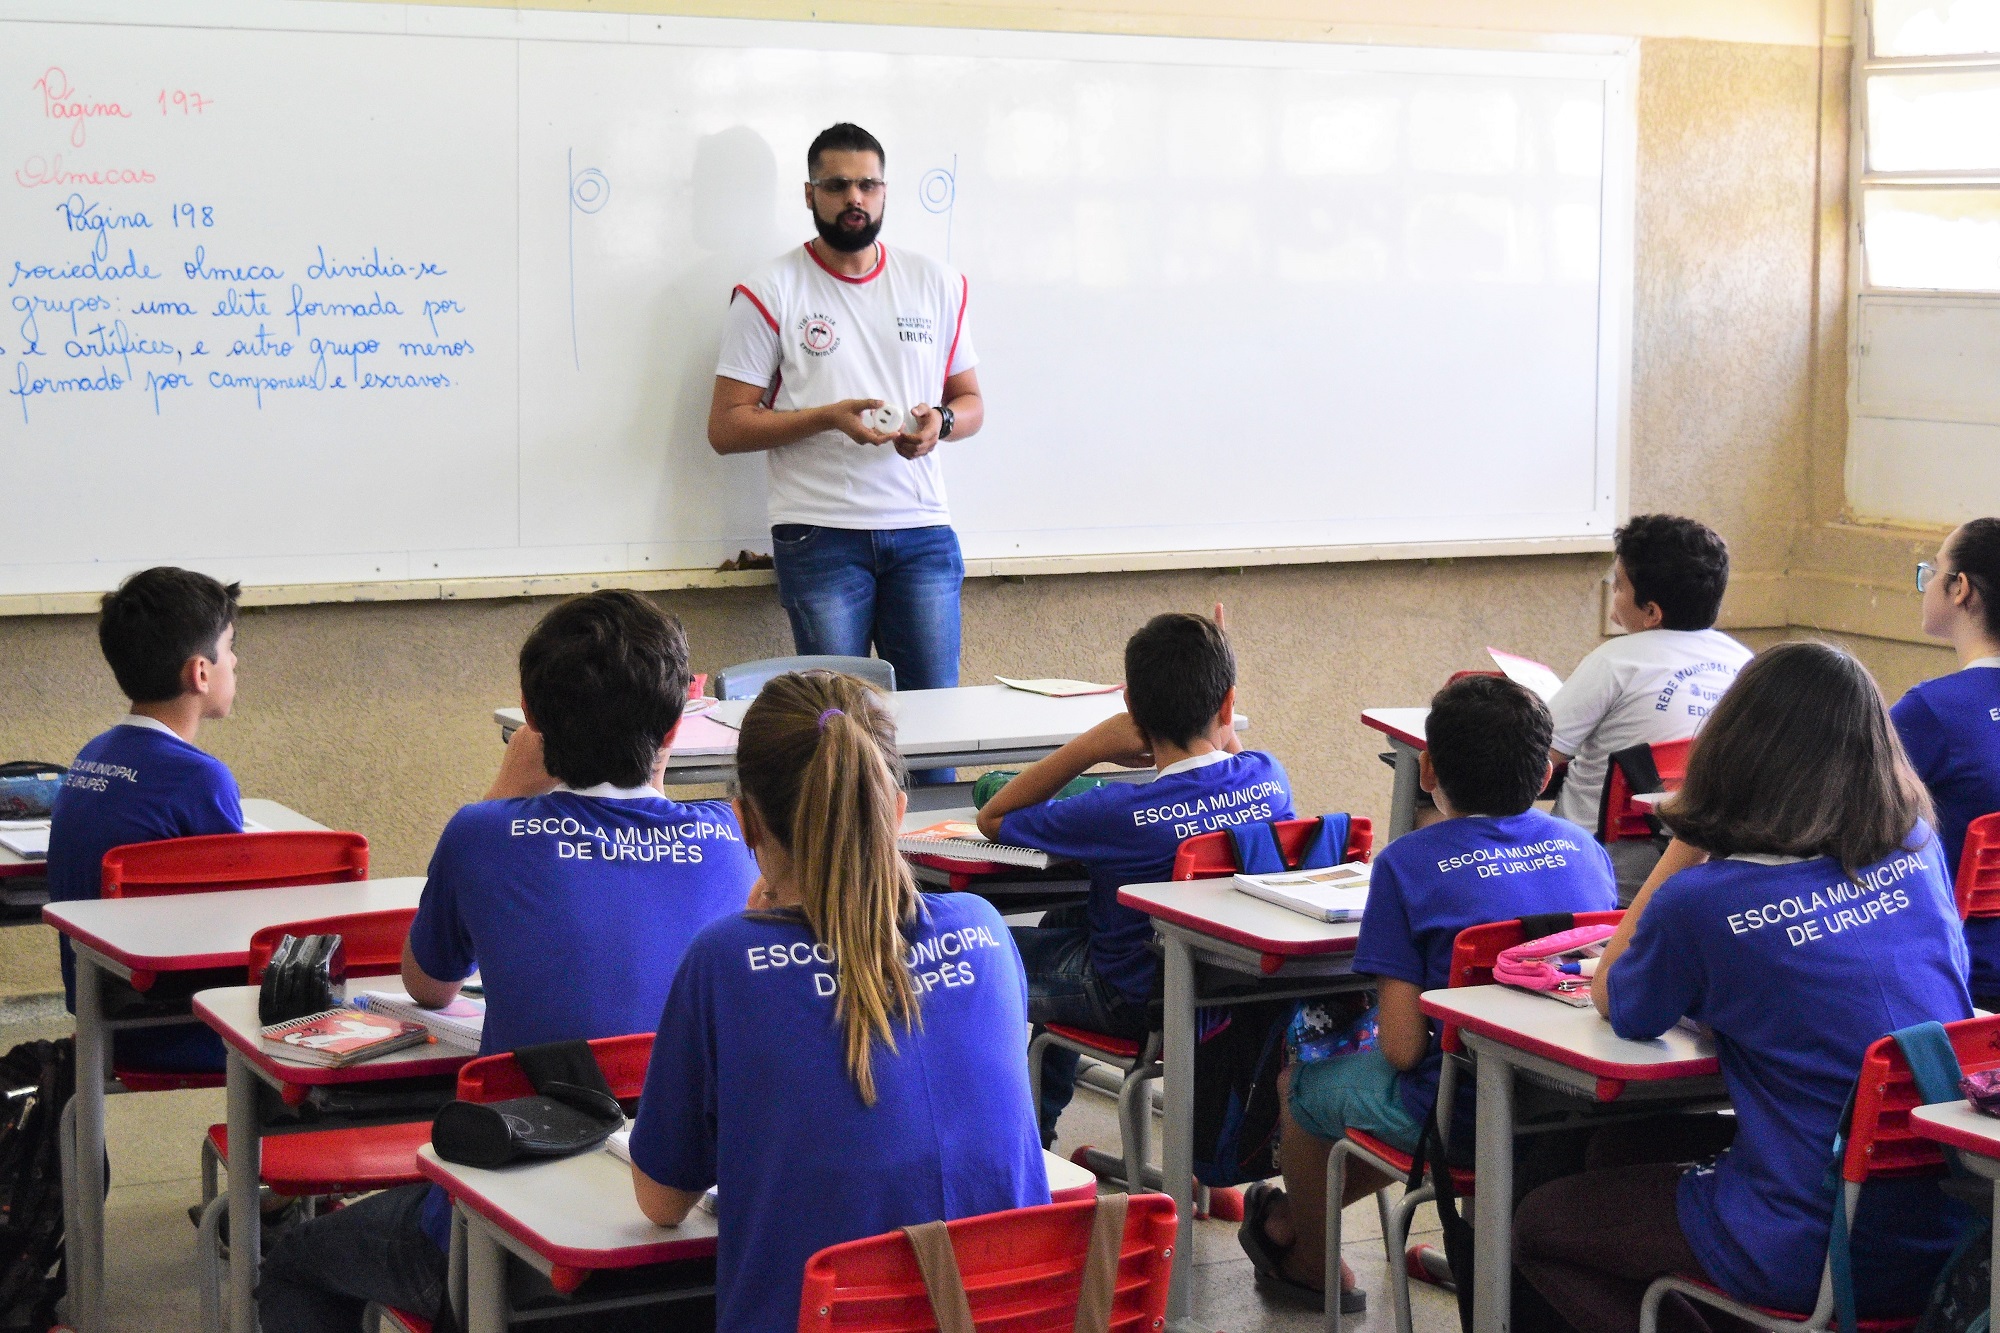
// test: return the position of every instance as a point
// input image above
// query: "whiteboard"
(306, 293)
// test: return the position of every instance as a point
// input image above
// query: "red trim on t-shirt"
(759, 304)
(881, 262)
(964, 290)
(777, 383)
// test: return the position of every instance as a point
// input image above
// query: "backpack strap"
(568, 1062)
(1100, 1267)
(931, 1243)
(1258, 851)
(1927, 1047)
(1327, 846)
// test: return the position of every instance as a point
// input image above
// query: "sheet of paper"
(729, 712)
(1057, 687)
(1526, 671)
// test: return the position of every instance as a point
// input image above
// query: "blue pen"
(1570, 969)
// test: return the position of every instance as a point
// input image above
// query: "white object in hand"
(913, 423)
(884, 419)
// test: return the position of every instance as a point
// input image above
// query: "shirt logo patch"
(916, 329)
(817, 336)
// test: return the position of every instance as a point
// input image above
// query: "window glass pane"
(1940, 239)
(1936, 27)
(1933, 122)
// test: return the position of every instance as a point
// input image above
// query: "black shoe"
(273, 1223)
(1268, 1258)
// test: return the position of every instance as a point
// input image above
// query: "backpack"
(36, 1080)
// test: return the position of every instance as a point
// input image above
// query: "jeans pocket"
(792, 538)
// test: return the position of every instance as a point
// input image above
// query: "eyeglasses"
(1928, 572)
(868, 185)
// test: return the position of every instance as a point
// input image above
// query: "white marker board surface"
(311, 293)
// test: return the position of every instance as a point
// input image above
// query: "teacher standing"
(860, 533)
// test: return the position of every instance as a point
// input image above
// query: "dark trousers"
(1063, 988)
(321, 1274)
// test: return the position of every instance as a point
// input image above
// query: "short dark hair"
(1975, 552)
(604, 676)
(1489, 742)
(1799, 759)
(1177, 668)
(843, 138)
(1679, 565)
(157, 620)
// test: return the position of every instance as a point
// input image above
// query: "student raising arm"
(1822, 922)
(845, 1058)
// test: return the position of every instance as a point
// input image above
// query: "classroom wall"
(376, 716)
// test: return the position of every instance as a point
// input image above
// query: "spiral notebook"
(341, 1037)
(461, 1023)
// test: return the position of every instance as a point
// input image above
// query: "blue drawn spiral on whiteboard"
(938, 190)
(589, 190)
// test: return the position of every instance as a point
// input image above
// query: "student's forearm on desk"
(424, 988)
(1678, 857)
(1036, 783)
(663, 1205)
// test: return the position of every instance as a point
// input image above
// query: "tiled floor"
(155, 1174)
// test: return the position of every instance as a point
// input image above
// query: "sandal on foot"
(1267, 1257)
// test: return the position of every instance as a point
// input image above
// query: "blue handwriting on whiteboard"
(374, 266)
(31, 305)
(88, 268)
(80, 214)
(370, 309)
(27, 386)
(201, 269)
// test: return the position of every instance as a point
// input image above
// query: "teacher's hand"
(926, 438)
(845, 417)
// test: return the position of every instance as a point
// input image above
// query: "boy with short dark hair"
(1092, 966)
(1660, 679)
(573, 889)
(1493, 857)
(169, 636)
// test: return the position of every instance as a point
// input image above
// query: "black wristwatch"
(944, 422)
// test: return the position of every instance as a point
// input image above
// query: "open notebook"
(1526, 671)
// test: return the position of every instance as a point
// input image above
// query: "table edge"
(637, 1256)
(1229, 935)
(1664, 1072)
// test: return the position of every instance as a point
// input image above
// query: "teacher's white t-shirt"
(812, 337)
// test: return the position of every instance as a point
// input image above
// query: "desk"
(1009, 890)
(268, 813)
(143, 937)
(573, 1216)
(1405, 729)
(1977, 1138)
(1268, 952)
(1558, 1046)
(232, 1012)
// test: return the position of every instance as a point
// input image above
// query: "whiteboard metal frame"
(1614, 59)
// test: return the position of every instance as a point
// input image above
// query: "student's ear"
(527, 716)
(902, 806)
(195, 674)
(746, 819)
(1548, 773)
(1225, 716)
(1427, 774)
(1650, 617)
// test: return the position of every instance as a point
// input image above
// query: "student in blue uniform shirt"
(844, 1058)
(1951, 726)
(1493, 857)
(1823, 922)
(169, 635)
(1093, 966)
(574, 889)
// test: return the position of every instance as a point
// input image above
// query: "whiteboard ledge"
(669, 580)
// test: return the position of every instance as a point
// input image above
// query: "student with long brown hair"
(843, 1058)
(1821, 921)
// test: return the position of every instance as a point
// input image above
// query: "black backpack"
(36, 1080)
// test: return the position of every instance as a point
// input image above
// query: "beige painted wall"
(375, 717)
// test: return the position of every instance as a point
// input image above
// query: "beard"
(845, 238)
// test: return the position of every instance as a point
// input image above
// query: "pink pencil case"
(1982, 1088)
(1553, 962)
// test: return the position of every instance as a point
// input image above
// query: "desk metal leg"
(1177, 1140)
(485, 1279)
(246, 1160)
(86, 1169)
(1493, 1203)
(1403, 796)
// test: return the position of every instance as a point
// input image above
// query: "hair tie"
(831, 712)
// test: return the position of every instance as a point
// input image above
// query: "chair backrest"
(745, 679)
(495, 1078)
(1618, 817)
(1212, 855)
(1879, 1139)
(219, 861)
(1979, 869)
(1022, 1271)
(372, 941)
(1478, 948)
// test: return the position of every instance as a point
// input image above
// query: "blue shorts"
(1330, 1097)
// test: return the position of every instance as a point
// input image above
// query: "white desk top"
(1650, 799)
(1959, 1126)
(232, 1012)
(1214, 907)
(268, 813)
(1402, 724)
(1578, 1038)
(580, 1212)
(186, 931)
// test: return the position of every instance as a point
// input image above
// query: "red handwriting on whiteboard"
(38, 170)
(186, 102)
(61, 101)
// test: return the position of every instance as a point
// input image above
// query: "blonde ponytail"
(817, 757)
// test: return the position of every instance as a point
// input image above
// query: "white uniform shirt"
(813, 337)
(1656, 685)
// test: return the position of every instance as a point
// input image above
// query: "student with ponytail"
(1951, 726)
(844, 1057)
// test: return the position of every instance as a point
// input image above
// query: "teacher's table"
(1573, 1051)
(1405, 729)
(118, 939)
(1223, 947)
(1977, 1138)
(232, 1012)
(574, 1216)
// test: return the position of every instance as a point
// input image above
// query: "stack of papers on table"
(26, 838)
(1336, 893)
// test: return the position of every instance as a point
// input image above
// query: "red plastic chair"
(495, 1078)
(1022, 1271)
(1213, 855)
(1880, 1145)
(1619, 817)
(1979, 869)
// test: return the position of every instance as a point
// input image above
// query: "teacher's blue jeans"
(895, 589)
